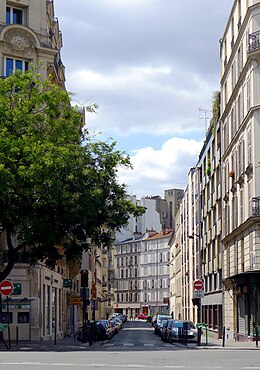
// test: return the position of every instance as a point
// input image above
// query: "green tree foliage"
(58, 188)
(215, 110)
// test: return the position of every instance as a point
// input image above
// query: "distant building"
(141, 282)
(173, 198)
(154, 272)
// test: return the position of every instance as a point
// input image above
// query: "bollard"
(223, 336)
(199, 335)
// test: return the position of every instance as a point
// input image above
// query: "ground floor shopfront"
(242, 298)
(211, 313)
(37, 310)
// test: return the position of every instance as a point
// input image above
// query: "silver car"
(177, 331)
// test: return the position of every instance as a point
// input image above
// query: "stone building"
(240, 125)
(45, 302)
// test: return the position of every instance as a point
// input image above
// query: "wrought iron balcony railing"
(254, 41)
(256, 207)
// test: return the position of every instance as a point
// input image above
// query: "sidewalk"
(218, 344)
(62, 345)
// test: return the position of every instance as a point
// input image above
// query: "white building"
(240, 123)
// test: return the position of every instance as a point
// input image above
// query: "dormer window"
(14, 15)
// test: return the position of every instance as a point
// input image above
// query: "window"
(14, 15)
(5, 316)
(12, 65)
(249, 145)
(23, 317)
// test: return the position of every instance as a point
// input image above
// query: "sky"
(152, 67)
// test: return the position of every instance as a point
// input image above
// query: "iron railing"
(254, 41)
(256, 206)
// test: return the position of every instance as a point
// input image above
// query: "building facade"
(240, 122)
(30, 36)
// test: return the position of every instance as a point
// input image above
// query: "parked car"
(118, 324)
(109, 331)
(142, 316)
(114, 327)
(165, 330)
(177, 331)
(154, 320)
(159, 319)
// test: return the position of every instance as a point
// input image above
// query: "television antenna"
(206, 117)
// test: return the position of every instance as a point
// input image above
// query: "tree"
(58, 188)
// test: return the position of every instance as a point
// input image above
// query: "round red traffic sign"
(198, 285)
(6, 287)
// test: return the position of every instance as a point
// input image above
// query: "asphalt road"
(135, 347)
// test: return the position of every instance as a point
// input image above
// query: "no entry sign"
(6, 287)
(198, 285)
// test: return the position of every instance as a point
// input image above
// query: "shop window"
(23, 318)
(5, 317)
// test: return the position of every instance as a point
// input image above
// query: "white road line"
(78, 366)
(128, 344)
(149, 344)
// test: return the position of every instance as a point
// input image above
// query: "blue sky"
(150, 65)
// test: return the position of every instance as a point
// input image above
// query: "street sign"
(198, 294)
(75, 300)
(6, 287)
(67, 283)
(198, 285)
(17, 289)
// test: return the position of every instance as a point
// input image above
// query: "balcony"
(256, 207)
(254, 41)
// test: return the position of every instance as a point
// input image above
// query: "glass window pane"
(9, 66)
(8, 15)
(17, 16)
(18, 65)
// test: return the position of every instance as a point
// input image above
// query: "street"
(134, 347)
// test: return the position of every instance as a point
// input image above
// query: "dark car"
(103, 330)
(165, 330)
(109, 330)
(157, 325)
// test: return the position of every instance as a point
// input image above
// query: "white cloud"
(161, 169)
(150, 65)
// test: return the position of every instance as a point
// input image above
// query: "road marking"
(128, 344)
(149, 344)
(78, 366)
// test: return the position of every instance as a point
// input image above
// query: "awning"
(18, 301)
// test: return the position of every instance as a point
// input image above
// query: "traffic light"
(84, 278)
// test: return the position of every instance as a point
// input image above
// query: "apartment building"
(154, 269)
(176, 271)
(142, 274)
(240, 126)
(151, 219)
(127, 277)
(207, 231)
(30, 34)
